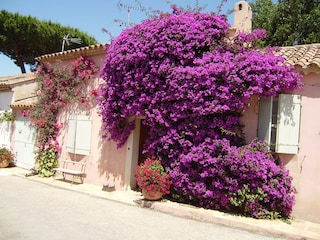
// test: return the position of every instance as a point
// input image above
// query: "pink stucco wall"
(105, 165)
(304, 167)
(250, 119)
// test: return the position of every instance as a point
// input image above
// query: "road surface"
(32, 210)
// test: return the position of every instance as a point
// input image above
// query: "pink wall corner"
(107, 162)
(105, 165)
(304, 167)
(249, 119)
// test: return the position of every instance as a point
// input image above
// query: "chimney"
(242, 16)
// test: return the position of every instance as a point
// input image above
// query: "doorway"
(144, 135)
(24, 142)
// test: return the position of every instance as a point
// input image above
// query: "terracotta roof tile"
(7, 82)
(14, 79)
(305, 57)
(4, 87)
(92, 50)
(25, 103)
(302, 56)
(21, 105)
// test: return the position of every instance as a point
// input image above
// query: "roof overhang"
(88, 51)
(305, 58)
(21, 105)
(4, 87)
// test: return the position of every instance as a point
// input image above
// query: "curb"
(274, 228)
(297, 230)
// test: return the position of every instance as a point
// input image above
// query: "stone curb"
(274, 228)
(297, 230)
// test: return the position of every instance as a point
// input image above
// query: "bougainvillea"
(190, 81)
(57, 86)
(244, 179)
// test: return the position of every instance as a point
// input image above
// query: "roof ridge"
(90, 50)
(305, 56)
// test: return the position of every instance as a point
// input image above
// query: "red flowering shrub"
(191, 82)
(151, 176)
(57, 86)
(6, 156)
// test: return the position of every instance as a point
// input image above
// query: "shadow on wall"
(111, 163)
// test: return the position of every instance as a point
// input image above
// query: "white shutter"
(79, 134)
(71, 134)
(83, 135)
(264, 121)
(288, 125)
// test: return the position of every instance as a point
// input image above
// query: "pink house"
(80, 136)
(288, 123)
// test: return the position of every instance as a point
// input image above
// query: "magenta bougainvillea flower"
(191, 82)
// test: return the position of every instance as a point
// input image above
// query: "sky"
(94, 15)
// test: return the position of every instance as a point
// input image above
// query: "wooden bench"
(76, 169)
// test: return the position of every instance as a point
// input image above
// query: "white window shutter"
(264, 121)
(288, 125)
(71, 134)
(79, 134)
(83, 135)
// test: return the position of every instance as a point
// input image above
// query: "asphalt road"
(32, 210)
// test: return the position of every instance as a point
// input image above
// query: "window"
(279, 123)
(79, 134)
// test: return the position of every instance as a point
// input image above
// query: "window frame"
(79, 134)
(279, 123)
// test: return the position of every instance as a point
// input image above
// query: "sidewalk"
(298, 229)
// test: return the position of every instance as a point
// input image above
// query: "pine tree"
(22, 38)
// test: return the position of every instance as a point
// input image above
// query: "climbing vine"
(57, 87)
(191, 82)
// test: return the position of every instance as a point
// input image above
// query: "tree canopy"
(22, 38)
(287, 22)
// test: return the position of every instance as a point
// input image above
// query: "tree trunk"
(19, 60)
(21, 65)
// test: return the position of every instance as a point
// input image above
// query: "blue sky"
(94, 15)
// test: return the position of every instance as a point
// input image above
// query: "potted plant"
(7, 116)
(6, 157)
(152, 179)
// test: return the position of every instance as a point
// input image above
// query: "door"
(144, 134)
(24, 142)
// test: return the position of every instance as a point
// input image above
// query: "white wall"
(6, 98)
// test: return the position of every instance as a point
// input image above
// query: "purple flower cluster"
(244, 179)
(189, 80)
